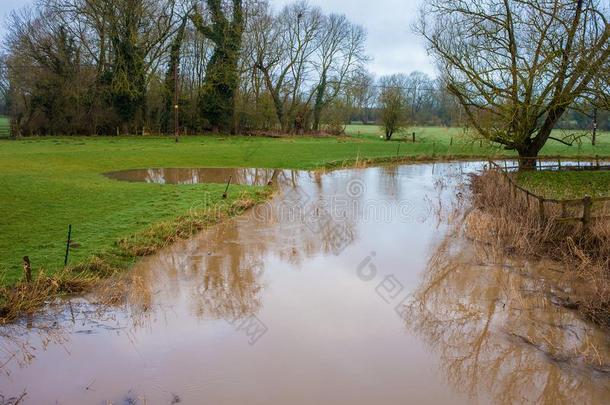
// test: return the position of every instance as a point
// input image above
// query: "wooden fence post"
(68, 243)
(224, 196)
(541, 210)
(587, 204)
(27, 269)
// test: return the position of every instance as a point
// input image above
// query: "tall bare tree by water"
(363, 94)
(516, 66)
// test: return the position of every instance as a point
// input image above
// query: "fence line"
(568, 164)
(587, 203)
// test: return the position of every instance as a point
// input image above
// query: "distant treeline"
(83, 67)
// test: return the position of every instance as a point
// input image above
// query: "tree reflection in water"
(500, 333)
(222, 270)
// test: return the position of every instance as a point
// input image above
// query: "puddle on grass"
(324, 295)
(248, 177)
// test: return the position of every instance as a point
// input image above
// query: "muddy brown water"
(250, 177)
(324, 295)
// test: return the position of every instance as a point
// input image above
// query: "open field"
(426, 137)
(48, 183)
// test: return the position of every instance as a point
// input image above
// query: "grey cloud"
(391, 42)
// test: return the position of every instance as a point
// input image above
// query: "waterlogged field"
(47, 184)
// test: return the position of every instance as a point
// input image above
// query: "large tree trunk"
(528, 153)
(528, 157)
(317, 109)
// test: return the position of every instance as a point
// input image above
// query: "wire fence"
(585, 211)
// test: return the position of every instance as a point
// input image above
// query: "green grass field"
(464, 143)
(5, 127)
(567, 185)
(48, 183)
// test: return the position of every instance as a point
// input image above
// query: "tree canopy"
(517, 66)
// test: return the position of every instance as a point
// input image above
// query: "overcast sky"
(391, 44)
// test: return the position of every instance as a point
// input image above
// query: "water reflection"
(222, 270)
(168, 329)
(250, 177)
(499, 331)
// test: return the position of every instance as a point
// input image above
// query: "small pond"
(249, 177)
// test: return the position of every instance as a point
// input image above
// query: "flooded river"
(348, 287)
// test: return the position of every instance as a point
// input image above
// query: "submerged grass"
(512, 226)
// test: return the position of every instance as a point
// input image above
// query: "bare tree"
(362, 91)
(340, 53)
(517, 66)
(286, 45)
(393, 104)
(419, 93)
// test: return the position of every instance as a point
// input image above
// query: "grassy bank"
(567, 185)
(21, 297)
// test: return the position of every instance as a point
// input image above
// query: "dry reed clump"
(26, 298)
(508, 223)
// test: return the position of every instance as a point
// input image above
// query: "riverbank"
(47, 184)
(25, 297)
(508, 224)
